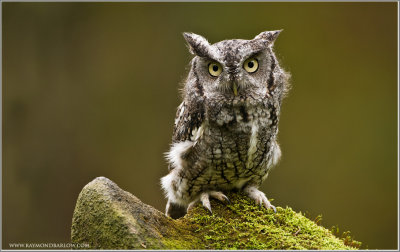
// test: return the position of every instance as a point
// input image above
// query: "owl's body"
(226, 127)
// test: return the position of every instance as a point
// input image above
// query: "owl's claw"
(259, 197)
(227, 200)
(219, 196)
(191, 205)
(205, 199)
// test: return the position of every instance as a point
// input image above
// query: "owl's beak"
(235, 88)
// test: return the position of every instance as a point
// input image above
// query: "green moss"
(106, 217)
(103, 223)
(346, 237)
(244, 225)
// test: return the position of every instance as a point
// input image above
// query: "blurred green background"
(91, 89)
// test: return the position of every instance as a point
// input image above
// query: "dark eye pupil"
(250, 64)
(215, 68)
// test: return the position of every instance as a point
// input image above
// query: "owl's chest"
(240, 115)
(235, 142)
(236, 136)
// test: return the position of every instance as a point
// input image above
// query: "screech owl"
(225, 132)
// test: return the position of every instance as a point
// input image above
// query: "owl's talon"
(259, 197)
(219, 196)
(227, 199)
(191, 205)
(204, 198)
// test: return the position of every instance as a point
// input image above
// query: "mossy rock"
(106, 217)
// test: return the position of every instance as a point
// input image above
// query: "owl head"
(236, 67)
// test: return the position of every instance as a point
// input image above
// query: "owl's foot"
(259, 197)
(205, 199)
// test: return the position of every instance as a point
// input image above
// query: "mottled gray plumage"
(226, 127)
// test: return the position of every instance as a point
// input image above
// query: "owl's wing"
(187, 130)
(188, 121)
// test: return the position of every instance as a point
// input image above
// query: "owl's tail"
(174, 210)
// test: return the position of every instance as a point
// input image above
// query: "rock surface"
(106, 217)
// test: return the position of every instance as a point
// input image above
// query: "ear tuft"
(198, 45)
(268, 36)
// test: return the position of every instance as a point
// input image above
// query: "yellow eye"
(215, 69)
(250, 65)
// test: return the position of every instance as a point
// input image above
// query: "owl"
(225, 132)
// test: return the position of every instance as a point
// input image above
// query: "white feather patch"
(197, 133)
(173, 190)
(166, 184)
(253, 143)
(174, 156)
(276, 153)
(181, 110)
(172, 193)
(253, 139)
